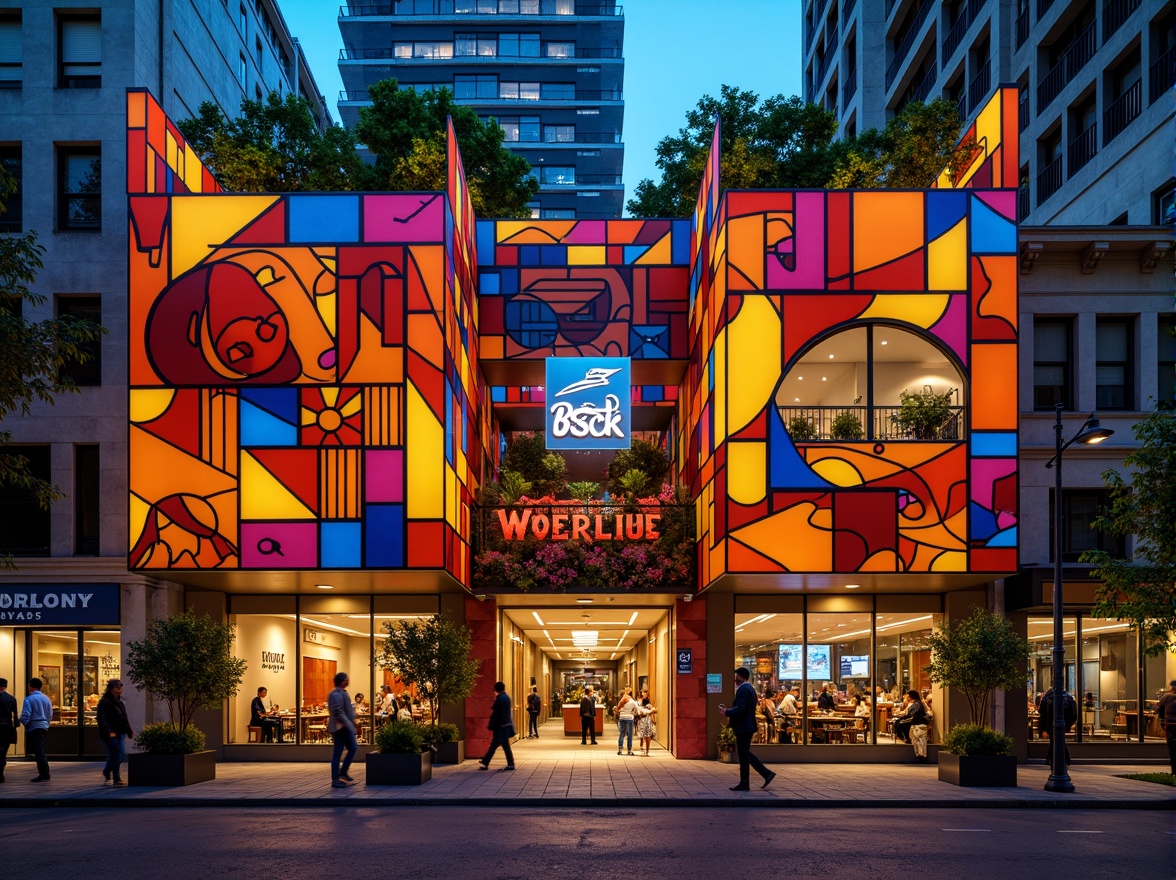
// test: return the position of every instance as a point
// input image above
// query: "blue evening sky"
(675, 52)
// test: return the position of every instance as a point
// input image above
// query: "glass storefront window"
(268, 644)
(904, 652)
(1040, 630)
(333, 643)
(1109, 685)
(837, 669)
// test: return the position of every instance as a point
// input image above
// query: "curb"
(1016, 803)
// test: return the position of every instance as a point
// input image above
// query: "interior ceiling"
(619, 626)
(765, 631)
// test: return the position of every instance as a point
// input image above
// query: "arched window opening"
(873, 382)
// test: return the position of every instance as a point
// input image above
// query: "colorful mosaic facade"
(307, 379)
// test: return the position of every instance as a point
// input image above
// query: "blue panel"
(498, 393)
(509, 281)
(340, 544)
(553, 255)
(1006, 538)
(259, 428)
(786, 468)
(485, 242)
(449, 423)
(647, 341)
(1002, 444)
(653, 393)
(333, 218)
(944, 210)
(981, 522)
(383, 527)
(634, 252)
(529, 255)
(281, 402)
(991, 233)
(680, 253)
(710, 371)
(488, 283)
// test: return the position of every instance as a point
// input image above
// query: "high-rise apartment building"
(551, 72)
(65, 67)
(1095, 80)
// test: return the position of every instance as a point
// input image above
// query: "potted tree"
(726, 744)
(434, 656)
(921, 414)
(977, 657)
(802, 428)
(401, 756)
(846, 426)
(188, 662)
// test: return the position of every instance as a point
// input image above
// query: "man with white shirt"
(35, 714)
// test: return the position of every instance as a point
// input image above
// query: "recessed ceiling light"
(800, 378)
(823, 379)
(585, 600)
(883, 341)
(852, 586)
(830, 357)
(796, 399)
(538, 619)
(325, 586)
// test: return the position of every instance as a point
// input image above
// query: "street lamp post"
(1091, 432)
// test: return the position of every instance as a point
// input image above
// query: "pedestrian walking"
(534, 704)
(646, 729)
(501, 729)
(1166, 712)
(113, 729)
(1045, 720)
(9, 720)
(588, 717)
(341, 727)
(35, 713)
(743, 724)
(626, 712)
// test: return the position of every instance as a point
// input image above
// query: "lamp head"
(1092, 432)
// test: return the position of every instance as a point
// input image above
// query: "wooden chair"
(254, 734)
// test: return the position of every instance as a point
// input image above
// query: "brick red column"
(690, 740)
(482, 620)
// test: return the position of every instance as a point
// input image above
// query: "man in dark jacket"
(742, 716)
(534, 705)
(501, 729)
(1045, 720)
(588, 717)
(1166, 712)
(113, 728)
(9, 720)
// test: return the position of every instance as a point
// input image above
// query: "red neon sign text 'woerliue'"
(579, 526)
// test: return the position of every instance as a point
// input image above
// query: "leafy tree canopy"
(405, 131)
(527, 456)
(33, 354)
(977, 656)
(784, 143)
(1143, 591)
(642, 456)
(434, 656)
(275, 145)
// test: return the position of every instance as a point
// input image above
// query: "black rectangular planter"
(399, 769)
(450, 752)
(978, 771)
(144, 768)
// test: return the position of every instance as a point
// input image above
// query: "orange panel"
(994, 387)
(900, 214)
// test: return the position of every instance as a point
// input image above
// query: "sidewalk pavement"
(560, 773)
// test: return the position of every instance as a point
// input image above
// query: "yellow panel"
(149, 404)
(171, 150)
(425, 460)
(263, 497)
(719, 396)
(746, 471)
(201, 223)
(838, 472)
(138, 518)
(949, 561)
(451, 495)
(658, 255)
(193, 171)
(886, 225)
(586, 255)
(753, 360)
(994, 387)
(947, 259)
(922, 310)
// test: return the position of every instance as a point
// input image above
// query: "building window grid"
(79, 196)
(25, 526)
(1113, 364)
(1069, 64)
(11, 160)
(79, 52)
(1166, 361)
(1052, 364)
(1083, 147)
(11, 51)
(88, 308)
(1080, 509)
(1115, 15)
(87, 491)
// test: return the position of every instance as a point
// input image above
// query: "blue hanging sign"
(588, 403)
(59, 604)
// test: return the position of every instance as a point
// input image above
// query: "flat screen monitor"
(818, 663)
(855, 666)
(789, 660)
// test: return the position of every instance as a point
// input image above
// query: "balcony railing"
(980, 84)
(904, 47)
(1120, 114)
(1161, 76)
(387, 53)
(849, 89)
(823, 67)
(864, 424)
(1043, 7)
(962, 107)
(921, 89)
(1049, 180)
(584, 180)
(447, 8)
(361, 95)
(1082, 149)
(1067, 68)
(1023, 110)
(1022, 27)
(956, 34)
(1114, 14)
(1022, 202)
(848, 8)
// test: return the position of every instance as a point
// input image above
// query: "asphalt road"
(502, 843)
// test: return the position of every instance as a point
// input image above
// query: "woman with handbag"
(646, 729)
(916, 721)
